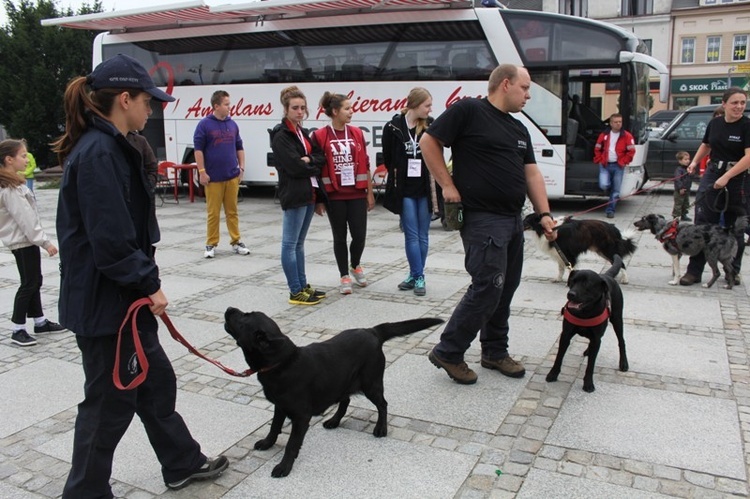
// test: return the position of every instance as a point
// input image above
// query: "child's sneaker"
(419, 287)
(346, 285)
(22, 338)
(303, 298)
(359, 276)
(314, 292)
(209, 253)
(407, 283)
(240, 248)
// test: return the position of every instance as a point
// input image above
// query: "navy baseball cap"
(122, 71)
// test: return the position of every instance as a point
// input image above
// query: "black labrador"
(593, 300)
(303, 382)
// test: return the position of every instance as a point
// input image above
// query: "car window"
(693, 126)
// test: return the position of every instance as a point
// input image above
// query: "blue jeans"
(415, 219)
(295, 224)
(494, 258)
(610, 177)
(30, 184)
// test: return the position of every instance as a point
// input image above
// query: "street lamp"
(729, 75)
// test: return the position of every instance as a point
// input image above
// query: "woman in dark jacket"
(403, 159)
(106, 227)
(298, 162)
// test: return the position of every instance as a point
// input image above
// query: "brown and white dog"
(576, 237)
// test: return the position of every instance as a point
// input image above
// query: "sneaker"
(209, 252)
(685, 218)
(689, 280)
(314, 292)
(359, 276)
(506, 366)
(460, 373)
(407, 283)
(22, 338)
(303, 298)
(48, 327)
(240, 248)
(346, 285)
(212, 469)
(419, 288)
(610, 214)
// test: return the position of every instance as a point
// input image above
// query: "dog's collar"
(669, 232)
(591, 322)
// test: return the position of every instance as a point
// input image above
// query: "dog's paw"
(624, 366)
(552, 376)
(588, 387)
(264, 444)
(281, 470)
(557, 279)
(674, 282)
(331, 424)
(380, 430)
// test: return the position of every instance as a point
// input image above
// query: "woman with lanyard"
(403, 159)
(724, 186)
(298, 162)
(346, 179)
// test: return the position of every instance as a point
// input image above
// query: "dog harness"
(669, 233)
(591, 322)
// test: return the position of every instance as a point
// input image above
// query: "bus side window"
(464, 65)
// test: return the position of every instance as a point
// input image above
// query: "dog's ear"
(570, 277)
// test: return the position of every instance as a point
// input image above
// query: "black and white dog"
(593, 301)
(576, 237)
(719, 245)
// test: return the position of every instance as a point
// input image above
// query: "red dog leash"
(141, 354)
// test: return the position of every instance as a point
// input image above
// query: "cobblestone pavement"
(676, 425)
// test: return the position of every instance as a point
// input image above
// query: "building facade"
(709, 52)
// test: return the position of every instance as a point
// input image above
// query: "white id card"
(314, 181)
(415, 168)
(347, 174)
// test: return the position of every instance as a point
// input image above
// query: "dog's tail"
(740, 225)
(388, 330)
(626, 246)
(617, 265)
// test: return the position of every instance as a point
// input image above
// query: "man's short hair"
(500, 73)
(218, 96)
(615, 115)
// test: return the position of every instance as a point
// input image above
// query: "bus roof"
(197, 13)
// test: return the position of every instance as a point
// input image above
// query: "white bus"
(375, 52)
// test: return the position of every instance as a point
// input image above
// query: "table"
(177, 168)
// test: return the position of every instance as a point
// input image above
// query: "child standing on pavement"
(22, 233)
(348, 184)
(682, 182)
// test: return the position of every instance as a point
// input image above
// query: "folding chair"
(163, 183)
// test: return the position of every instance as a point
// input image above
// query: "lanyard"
(302, 139)
(346, 134)
(412, 139)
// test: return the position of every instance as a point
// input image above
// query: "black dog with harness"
(593, 300)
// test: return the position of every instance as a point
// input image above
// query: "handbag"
(392, 200)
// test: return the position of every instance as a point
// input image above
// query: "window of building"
(710, 2)
(637, 7)
(739, 49)
(578, 8)
(715, 99)
(687, 54)
(713, 49)
(684, 102)
(648, 42)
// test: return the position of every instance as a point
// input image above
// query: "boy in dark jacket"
(682, 182)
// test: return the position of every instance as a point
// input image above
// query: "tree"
(36, 63)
